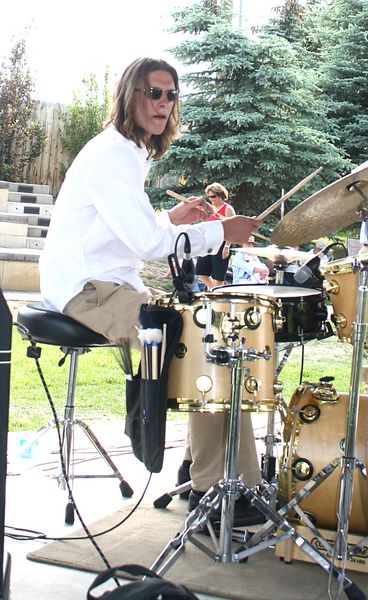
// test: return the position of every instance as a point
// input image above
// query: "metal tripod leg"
(225, 493)
(69, 422)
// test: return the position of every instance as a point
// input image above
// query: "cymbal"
(276, 254)
(331, 209)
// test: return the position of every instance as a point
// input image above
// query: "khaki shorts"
(108, 308)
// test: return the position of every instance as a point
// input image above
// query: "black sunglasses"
(155, 93)
(210, 197)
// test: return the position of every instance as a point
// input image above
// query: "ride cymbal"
(331, 209)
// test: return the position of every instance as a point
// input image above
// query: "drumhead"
(271, 291)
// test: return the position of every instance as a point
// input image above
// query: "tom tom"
(195, 384)
(313, 436)
(342, 284)
(301, 313)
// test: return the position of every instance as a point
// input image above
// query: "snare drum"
(195, 384)
(342, 284)
(301, 314)
(314, 436)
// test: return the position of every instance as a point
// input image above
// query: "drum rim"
(307, 292)
(346, 265)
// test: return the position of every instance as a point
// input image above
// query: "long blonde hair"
(122, 114)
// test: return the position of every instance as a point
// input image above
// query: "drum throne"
(39, 325)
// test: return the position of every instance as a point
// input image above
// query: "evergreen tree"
(253, 120)
(295, 21)
(21, 138)
(344, 74)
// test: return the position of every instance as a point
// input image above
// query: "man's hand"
(238, 229)
(192, 210)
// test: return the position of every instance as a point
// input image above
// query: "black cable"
(302, 365)
(63, 467)
(42, 536)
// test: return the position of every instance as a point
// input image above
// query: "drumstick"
(183, 199)
(163, 346)
(260, 235)
(293, 191)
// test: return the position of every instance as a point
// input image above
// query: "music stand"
(5, 359)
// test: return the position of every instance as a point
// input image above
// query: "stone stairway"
(25, 212)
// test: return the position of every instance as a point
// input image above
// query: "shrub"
(21, 138)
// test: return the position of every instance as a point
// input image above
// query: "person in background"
(104, 227)
(319, 245)
(211, 269)
(248, 268)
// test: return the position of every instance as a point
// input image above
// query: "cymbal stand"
(226, 491)
(349, 460)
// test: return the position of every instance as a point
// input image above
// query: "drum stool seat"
(40, 325)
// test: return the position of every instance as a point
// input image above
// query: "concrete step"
(43, 210)
(19, 276)
(28, 188)
(30, 198)
(20, 242)
(19, 269)
(20, 255)
(37, 231)
(31, 220)
(22, 229)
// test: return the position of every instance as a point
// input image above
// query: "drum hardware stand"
(268, 464)
(227, 489)
(348, 463)
(280, 268)
(349, 460)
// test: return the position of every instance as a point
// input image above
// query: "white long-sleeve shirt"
(103, 226)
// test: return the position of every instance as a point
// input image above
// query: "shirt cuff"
(214, 236)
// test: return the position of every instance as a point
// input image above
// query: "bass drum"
(314, 436)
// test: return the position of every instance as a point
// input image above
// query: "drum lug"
(279, 319)
(331, 287)
(302, 469)
(278, 387)
(252, 385)
(252, 318)
(339, 320)
(325, 392)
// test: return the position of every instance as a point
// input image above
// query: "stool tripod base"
(67, 434)
(68, 430)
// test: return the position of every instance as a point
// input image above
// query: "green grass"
(101, 387)
(324, 358)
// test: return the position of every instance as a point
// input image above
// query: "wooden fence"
(46, 169)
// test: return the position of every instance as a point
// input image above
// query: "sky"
(70, 39)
